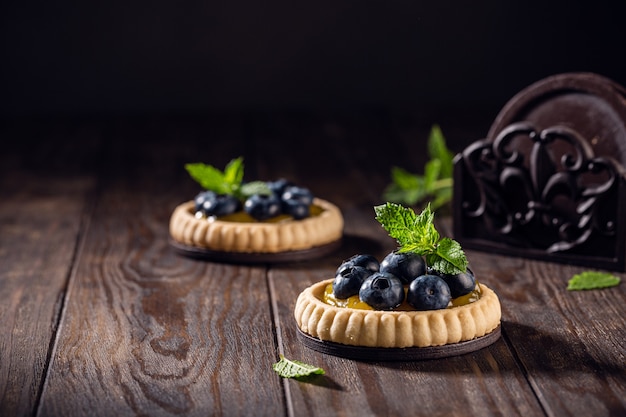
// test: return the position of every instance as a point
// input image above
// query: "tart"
(395, 329)
(258, 221)
(224, 235)
(421, 302)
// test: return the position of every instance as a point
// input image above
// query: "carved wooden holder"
(549, 181)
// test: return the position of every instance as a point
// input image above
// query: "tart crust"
(230, 236)
(395, 329)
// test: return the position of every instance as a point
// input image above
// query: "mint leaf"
(404, 179)
(209, 177)
(399, 223)
(438, 150)
(590, 280)
(443, 197)
(434, 186)
(221, 182)
(432, 169)
(405, 187)
(451, 257)
(288, 368)
(413, 233)
(233, 173)
(417, 233)
(255, 187)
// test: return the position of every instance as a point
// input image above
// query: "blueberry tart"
(420, 302)
(253, 221)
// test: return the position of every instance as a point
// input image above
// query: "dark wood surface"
(100, 316)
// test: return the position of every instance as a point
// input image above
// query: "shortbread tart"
(252, 221)
(395, 329)
(421, 302)
(324, 227)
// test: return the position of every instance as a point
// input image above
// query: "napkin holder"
(549, 181)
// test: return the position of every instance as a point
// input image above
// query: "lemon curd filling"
(243, 217)
(355, 303)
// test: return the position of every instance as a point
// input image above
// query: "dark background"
(124, 57)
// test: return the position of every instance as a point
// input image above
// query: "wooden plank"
(146, 331)
(554, 334)
(571, 344)
(488, 382)
(45, 200)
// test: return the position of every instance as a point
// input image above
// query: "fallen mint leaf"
(590, 280)
(289, 368)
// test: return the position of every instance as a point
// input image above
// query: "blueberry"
(301, 194)
(404, 265)
(262, 207)
(201, 198)
(460, 284)
(428, 292)
(221, 205)
(382, 291)
(278, 186)
(296, 209)
(348, 281)
(366, 261)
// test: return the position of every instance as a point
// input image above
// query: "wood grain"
(571, 344)
(487, 382)
(100, 316)
(42, 217)
(490, 380)
(146, 331)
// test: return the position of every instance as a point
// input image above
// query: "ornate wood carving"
(542, 190)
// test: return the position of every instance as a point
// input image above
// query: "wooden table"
(99, 316)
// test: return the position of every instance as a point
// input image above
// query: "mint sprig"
(290, 368)
(434, 185)
(417, 233)
(229, 181)
(589, 280)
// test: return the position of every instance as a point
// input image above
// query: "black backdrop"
(122, 57)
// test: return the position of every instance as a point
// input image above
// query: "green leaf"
(441, 198)
(407, 196)
(400, 223)
(452, 258)
(432, 169)
(589, 280)
(289, 368)
(417, 233)
(404, 179)
(222, 182)
(233, 173)
(438, 150)
(435, 185)
(255, 187)
(405, 187)
(209, 177)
